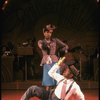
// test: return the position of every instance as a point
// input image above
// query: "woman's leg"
(47, 81)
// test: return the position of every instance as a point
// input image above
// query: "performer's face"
(48, 34)
(67, 73)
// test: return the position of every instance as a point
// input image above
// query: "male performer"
(66, 89)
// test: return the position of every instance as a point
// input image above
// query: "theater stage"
(90, 94)
(14, 90)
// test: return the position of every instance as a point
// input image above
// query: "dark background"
(77, 22)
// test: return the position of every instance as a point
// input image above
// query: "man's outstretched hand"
(60, 61)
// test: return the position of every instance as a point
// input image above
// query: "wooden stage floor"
(14, 90)
(90, 94)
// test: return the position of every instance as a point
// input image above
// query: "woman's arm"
(40, 44)
(66, 47)
(43, 45)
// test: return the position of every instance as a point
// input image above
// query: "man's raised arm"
(53, 71)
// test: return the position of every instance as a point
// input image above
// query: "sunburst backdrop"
(72, 18)
(76, 22)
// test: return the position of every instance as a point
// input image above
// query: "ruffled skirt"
(47, 80)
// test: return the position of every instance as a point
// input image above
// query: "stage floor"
(90, 94)
(14, 90)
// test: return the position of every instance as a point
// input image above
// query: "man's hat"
(71, 64)
(74, 71)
